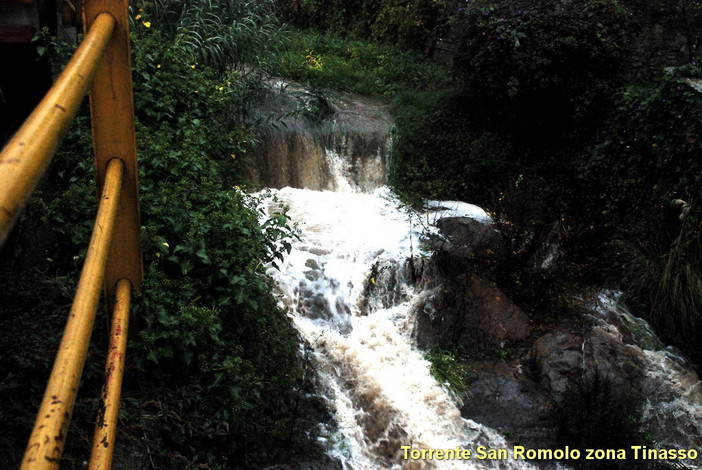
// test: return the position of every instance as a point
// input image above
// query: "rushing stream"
(376, 382)
(347, 284)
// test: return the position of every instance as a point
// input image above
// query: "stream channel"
(347, 284)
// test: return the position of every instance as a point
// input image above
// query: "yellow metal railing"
(102, 65)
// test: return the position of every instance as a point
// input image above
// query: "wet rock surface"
(473, 312)
(465, 232)
(343, 149)
(523, 379)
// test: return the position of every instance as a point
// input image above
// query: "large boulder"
(472, 312)
(504, 398)
(478, 237)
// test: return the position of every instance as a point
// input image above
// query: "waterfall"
(673, 407)
(346, 151)
(346, 283)
(374, 379)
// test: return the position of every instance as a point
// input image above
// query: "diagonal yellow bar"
(25, 158)
(51, 427)
(106, 427)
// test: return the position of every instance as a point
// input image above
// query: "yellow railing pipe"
(25, 158)
(108, 412)
(51, 427)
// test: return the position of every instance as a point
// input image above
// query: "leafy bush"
(213, 367)
(409, 24)
(535, 80)
(441, 150)
(551, 60)
(647, 157)
(532, 76)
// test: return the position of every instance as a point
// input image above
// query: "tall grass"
(669, 286)
(218, 33)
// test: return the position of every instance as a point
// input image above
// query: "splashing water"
(673, 407)
(345, 283)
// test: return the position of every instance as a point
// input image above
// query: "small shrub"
(593, 414)
(446, 369)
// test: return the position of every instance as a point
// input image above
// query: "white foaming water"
(673, 406)
(377, 384)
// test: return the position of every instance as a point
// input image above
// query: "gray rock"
(467, 232)
(473, 313)
(559, 359)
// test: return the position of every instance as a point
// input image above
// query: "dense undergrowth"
(334, 62)
(214, 374)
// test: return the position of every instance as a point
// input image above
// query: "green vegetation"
(446, 369)
(442, 151)
(214, 369)
(332, 62)
(409, 24)
(218, 33)
(645, 171)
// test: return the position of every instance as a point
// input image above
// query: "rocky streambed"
(372, 286)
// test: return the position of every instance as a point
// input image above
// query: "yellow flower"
(137, 17)
(193, 66)
(158, 66)
(221, 88)
(147, 24)
(233, 156)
